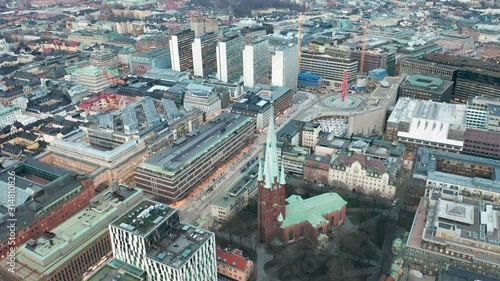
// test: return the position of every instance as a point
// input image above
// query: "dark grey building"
(426, 88)
(172, 173)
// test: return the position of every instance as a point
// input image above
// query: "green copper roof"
(312, 209)
(424, 81)
(271, 169)
(282, 175)
(260, 176)
(293, 198)
(8, 109)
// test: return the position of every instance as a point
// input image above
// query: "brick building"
(45, 197)
(316, 169)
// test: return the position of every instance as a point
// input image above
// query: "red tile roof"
(241, 262)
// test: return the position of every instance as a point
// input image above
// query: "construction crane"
(300, 20)
(363, 50)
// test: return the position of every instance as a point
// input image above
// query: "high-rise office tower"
(201, 26)
(204, 55)
(256, 63)
(151, 237)
(285, 65)
(181, 52)
(198, 26)
(229, 58)
(211, 25)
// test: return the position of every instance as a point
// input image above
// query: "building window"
(290, 235)
(301, 231)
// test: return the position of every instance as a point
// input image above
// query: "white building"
(9, 115)
(478, 111)
(362, 173)
(204, 55)
(229, 58)
(426, 123)
(93, 78)
(285, 63)
(256, 63)
(204, 98)
(151, 237)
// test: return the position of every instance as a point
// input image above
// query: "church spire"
(260, 177)
(282, 175)
(271, 168)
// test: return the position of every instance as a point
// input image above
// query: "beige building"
(362, 173)
(234, 265)
(310, 133)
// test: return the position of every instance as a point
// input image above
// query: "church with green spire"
(291, 219)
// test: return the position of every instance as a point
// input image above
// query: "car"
(395, 202)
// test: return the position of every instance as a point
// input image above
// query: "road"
(198, 204)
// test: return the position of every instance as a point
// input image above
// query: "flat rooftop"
(74, 143)
(233, 191)
(465, 224)
(426, 167)
(179, 245)
(38, 185)
(144, 217)
(55, 247)
(118, 270)
(190, 147)
(406, 109)
(421, 81)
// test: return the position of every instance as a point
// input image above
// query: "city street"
(198, 204)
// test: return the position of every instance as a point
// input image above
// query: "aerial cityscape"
(259, 140)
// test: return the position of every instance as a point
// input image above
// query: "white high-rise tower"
(256, 63)
(285, 66)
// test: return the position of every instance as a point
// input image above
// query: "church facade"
(291, 219)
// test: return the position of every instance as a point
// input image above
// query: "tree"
(276, 246)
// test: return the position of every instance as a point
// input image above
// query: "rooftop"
(117, 270)
(179, 245)
(154, 53)
(461, 61)
(189, 147)
(145, 216)
(44, 184)
(462, 227)
(8, 109)
(407, 109)
(312, 209)
(232, 259)
(427, 161)
(232, 193)
(422, 81)
(47, 253)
